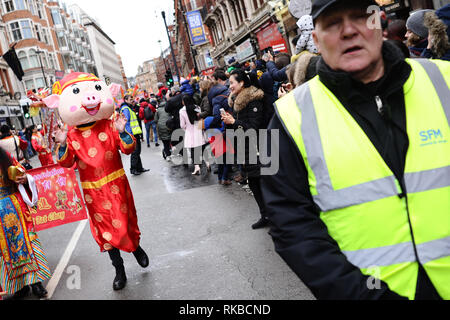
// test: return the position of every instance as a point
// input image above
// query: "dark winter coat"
(161, 118)
(186, 88)
(173, 108)
(205, 107)
(248, 112)
(218, 99)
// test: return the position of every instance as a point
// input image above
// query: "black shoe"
(148, 146)
(143, 170)
(141, 257)
(157, 144)
(135, 173)
(22, 293)
(120, 280)
(262, 223)
(38, 290)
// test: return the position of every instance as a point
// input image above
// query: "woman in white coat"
(194, 138)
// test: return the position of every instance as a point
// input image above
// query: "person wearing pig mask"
(93, 141)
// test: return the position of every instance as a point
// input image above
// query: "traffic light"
(26, 112)
(169, 78)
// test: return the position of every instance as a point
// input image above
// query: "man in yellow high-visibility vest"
(360, 206)
(133, 127)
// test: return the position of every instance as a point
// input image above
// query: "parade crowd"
(266, 93)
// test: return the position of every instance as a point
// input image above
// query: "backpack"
(148, 114)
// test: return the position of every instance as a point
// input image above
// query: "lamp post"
(162, 55)
(171, 47)
(38, 52)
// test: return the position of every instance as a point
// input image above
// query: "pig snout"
(91, 99)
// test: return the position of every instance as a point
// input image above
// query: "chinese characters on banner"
(196, 29)
(60, 200)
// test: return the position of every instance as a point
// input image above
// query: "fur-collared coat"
(437, 28)
(248, 111)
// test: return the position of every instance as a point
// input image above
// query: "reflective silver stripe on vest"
(399, 253)
(427, 180)
(328, 198)
(434, 250)
(439, 83)
(383, 256)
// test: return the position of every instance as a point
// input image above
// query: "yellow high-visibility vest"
(134, 123)
(383, 230)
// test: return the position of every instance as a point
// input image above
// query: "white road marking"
(53, 283)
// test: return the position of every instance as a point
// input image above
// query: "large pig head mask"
(82, 98)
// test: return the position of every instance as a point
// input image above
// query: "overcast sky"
(134, 25)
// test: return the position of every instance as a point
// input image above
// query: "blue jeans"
(155, 133)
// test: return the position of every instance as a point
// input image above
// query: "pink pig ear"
(115, 89)
(52, 101)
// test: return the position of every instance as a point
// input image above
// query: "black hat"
(319, 6)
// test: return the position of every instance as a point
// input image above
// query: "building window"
(62, 39)
(34, 60)
(26, 29)
(39, 10)
(22, 55)
(15, 30)
(29, 84)
(32, 7)
(20, 4)
(40, 83)
(45, 33)
(56, 17)
(8, 5)
(38, 33)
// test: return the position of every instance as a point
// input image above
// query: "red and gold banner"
(60, 200)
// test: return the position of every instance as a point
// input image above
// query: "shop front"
(245, 51)
(269, 36)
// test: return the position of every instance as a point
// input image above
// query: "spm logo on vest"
(431, 137)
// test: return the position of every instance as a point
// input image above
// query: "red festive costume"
(44, 154)
(107, 193)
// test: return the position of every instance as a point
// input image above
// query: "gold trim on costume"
(102, 182)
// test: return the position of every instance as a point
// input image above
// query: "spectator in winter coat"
(149, 123)
(218, 99)
(417, 33)
(161, 88)
(194, 139)
(186, 88)
(438, 39)
(247, 101)
(206, 111)
(164, 133)
(173, 107)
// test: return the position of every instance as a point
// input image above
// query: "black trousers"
(197, 154)
(136, 163)
(167, 148)
(255, 185)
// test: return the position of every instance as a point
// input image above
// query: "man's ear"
(316, 40)
(52, 101)
(115, 89)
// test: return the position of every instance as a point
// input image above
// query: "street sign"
(299, 8)
(244, 50)
(196, 29)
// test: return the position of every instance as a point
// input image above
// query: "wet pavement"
(197, 235)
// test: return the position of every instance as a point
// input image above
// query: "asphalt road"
(197, 235)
